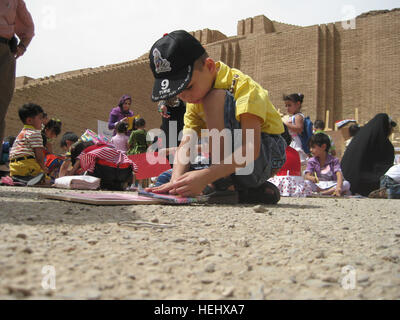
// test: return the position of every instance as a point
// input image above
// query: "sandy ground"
(300, 249)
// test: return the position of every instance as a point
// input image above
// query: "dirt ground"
(303, 248)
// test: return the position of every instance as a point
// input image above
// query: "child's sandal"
(36, 180)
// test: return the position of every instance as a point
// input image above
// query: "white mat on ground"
(77, 182)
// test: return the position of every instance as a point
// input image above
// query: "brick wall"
(378, 64)
(285, 62)
(207, 36)
(336, 69)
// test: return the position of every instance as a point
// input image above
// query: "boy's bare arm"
(181, 154)
(247, 153)
(192, 183)
(39, 155)
(172, 150)
(166, 151)
(179, 168)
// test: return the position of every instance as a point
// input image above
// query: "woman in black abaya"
(369, 155)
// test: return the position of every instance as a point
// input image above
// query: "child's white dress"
(292, 186)
(289, 180)
(296, 142)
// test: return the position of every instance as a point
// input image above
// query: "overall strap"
(234, 81)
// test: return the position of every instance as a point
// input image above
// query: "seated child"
(137, 141)
(348, 128)
(103, 161)
(218, 97)
(138, 144)
(71, 165)
(67, 140)
(389, 185)
(289, 180)
(120, 140)
(50, 131)
(319, 127)
(353, 130)
(27, 153)
(323, 171)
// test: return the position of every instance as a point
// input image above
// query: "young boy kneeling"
(27, 153)
(218, 97)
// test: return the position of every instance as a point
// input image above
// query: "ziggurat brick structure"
(338, 69)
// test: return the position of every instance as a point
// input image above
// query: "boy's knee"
(215, 97)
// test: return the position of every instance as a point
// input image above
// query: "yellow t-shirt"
(250, 97)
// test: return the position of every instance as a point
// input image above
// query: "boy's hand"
(191, 183)
(165, 188)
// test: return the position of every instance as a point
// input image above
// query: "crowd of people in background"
(289, 160)
(367, 167)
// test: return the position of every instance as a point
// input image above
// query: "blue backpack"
(306, 134)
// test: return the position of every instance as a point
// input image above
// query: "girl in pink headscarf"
(121, 113)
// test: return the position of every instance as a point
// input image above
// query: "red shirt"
(90, 155)
(292, 163)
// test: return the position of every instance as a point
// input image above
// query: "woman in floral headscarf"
(121, 113)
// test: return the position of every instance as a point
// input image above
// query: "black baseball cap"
(171, 60)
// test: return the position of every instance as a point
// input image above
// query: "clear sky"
(77, 34)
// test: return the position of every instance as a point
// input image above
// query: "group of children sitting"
(31, 159)
(31, 153)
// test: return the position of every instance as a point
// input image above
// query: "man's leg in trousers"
(7, 84)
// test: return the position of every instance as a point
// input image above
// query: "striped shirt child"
(28, 139)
